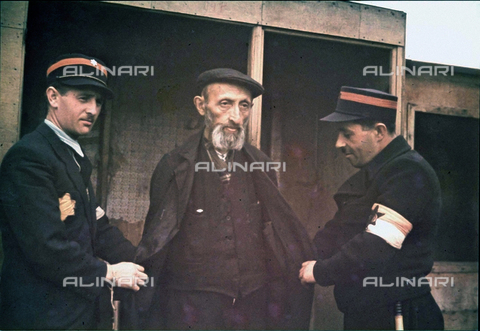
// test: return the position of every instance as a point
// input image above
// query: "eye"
(245, 106)
(224, 104)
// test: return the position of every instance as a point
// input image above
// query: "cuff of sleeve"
(321, 275)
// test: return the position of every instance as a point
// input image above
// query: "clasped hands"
(127, 275)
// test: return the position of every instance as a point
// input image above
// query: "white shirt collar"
(65, 138)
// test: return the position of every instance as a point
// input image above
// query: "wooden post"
(14, 22)
(397, 81)
(255, 70)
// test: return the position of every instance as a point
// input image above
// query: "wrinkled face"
(358, 145)
(226, 108)
(76, 111)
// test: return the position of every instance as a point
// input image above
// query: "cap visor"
(87, 82)
(340, 117)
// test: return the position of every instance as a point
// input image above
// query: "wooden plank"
(238, 11)
(327, 17)
(409, 127)
(382, 25)
(14, 14)
(255, 70)
(327, 37)
(451, 111)
(400, 90)
(330, 18)
(11, 85)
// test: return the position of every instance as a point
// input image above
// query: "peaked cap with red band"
(79, 70)
(360, 103)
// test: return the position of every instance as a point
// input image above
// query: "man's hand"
(127, 275)
(306, 273)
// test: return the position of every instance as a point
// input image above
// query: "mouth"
(87, 122)
(231, 129)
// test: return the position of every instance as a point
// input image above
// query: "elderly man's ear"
(199, 103)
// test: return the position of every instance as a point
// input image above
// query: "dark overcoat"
(41, 250)
(287, 239)
(366, 270)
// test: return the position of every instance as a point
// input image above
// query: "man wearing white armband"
(383, 231)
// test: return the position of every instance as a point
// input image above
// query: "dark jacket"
(288, 241)
(400, 179)
(41, 250)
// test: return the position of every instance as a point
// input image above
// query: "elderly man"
(53, 230)
(379, 245)
(221, 240)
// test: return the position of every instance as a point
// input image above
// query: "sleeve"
(162, 191)
(404, 190)
(112, 246)
(162, 178)
(31, 210)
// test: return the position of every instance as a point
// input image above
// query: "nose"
(234, 115)
(93, 107)
(340, 141)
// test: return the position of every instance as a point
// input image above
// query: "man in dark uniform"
(379, 245)
(219, 238)
(53, 230)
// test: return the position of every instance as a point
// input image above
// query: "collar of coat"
(395, 148)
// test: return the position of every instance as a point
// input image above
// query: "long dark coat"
(41, 250)
(287, 239)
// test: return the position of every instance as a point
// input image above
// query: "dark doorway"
(450, 145)
(303, 77)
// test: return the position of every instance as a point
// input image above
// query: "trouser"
(420, 313)
(201, 310)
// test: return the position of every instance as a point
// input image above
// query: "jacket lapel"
(185, 172)
(62, 151)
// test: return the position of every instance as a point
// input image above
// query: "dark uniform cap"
(232, 76)
(361, 103)
(79, 70)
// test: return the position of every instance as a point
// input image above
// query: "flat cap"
(232, 76)
(79, 70)
(360, 103)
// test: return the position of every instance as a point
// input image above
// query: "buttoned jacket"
(285, 236)
(52, 274)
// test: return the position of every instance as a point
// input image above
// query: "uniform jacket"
(40, 249)
(288, 241)
(400, 179)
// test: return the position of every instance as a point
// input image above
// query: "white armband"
(389, 225)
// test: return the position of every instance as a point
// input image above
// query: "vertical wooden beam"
(255, 70)
(397, 81)
(410, 126)
(12, 35)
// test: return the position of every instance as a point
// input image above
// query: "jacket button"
(228, 218)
